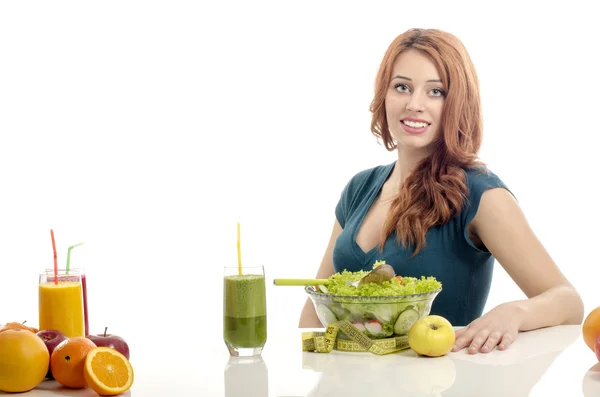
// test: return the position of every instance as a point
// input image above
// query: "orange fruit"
(68, 359)
(15, 325)
(107, 371)
(591, 328)
(24, 360)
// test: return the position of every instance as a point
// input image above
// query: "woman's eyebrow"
(409, 79)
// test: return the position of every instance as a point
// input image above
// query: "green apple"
(431, 336)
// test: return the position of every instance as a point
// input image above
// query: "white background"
(148, 129)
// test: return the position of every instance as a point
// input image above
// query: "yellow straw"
(238, 250)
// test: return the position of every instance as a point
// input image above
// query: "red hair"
(436, 189)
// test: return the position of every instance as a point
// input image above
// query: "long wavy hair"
(436, 189)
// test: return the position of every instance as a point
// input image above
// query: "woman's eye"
(401, 88)
(437, 92)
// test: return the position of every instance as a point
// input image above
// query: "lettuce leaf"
(407, 286)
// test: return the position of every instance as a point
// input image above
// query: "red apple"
(597, 348)
(112, 341)
(51, 338)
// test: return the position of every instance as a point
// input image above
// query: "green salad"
(398, 286)
(376, 319)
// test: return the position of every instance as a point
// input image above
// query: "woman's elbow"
(575, 307)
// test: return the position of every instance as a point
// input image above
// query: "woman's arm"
(504, 230)
(551, 299)
(308, 318)
(556, 306)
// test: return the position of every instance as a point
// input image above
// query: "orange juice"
(61, 307)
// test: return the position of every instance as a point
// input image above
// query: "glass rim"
(361, 299)
(72, 273)
(244, 267)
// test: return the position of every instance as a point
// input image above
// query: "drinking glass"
(83, 289)
(61, 302)
(244, 310)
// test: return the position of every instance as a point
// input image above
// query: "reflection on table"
(508, 373)
(591, 382)
(246, 377)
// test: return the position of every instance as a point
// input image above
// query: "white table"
(551, 361)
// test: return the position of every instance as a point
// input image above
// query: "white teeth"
(415, 124)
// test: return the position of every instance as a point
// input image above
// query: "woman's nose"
(415, 104)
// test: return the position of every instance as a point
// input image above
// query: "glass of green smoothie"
(244, 310)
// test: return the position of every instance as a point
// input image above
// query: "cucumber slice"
(327, 315)
(405, 320)
(340, 312)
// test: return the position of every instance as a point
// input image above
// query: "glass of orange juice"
(81, 272)
(61, 302)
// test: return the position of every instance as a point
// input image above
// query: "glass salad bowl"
(376, 316)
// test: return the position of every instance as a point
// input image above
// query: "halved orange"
(107, 371)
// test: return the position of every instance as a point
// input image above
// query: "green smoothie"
(244, 311)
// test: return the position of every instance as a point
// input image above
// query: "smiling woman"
(438, 210)
(407, 98)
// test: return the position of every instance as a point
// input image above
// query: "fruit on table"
(112, 341)
(597, 348)
(24, 361)
(68, 359)
(51, 339)
(591, 328)
(431, 336)
(107, 371)
(16, 325)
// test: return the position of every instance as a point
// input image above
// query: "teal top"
(464, 270)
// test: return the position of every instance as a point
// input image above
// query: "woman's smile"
(414, 126)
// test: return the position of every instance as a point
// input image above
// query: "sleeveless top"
(449, 255)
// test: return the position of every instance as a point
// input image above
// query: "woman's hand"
(499, 327)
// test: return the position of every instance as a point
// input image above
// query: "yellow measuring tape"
(325, 342)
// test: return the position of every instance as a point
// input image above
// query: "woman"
(438, 210)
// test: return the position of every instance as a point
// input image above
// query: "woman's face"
(414, 101)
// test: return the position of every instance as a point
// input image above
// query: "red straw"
(55, 264)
